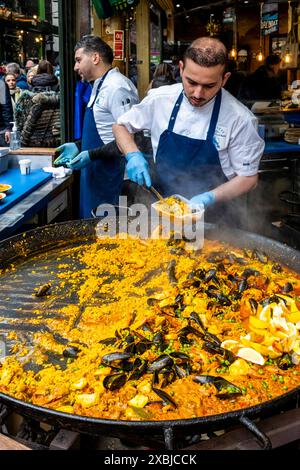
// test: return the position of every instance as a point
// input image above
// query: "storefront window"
(28, 29)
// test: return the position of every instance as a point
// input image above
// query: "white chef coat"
(116, 96)
(239, 145)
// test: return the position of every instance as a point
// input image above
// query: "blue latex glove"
(67, 152)
(138, 168)
(207, 199)
(80, 161)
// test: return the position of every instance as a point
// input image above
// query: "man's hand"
(67, 152)
(207, 199)
(80, 161)
(7, 137)
(138, 168)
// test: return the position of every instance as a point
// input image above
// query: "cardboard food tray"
(196, 213)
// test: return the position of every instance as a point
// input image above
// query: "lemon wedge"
(257, 323)
(265, 314)
(239, 367)
(229, 344)
(251, 355)
(295, 359)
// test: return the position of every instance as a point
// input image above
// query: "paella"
(136, 329)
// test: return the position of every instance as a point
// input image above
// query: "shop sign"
(155, 57)
(229, 15)
(269, 20)
(119, 45)
(123, 4)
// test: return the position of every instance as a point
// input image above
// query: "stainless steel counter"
(44, 204)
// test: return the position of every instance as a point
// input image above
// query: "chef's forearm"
(124, 139)
(235, 187)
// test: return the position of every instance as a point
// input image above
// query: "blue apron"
(102, 180)
(82, 97)
(188, 166)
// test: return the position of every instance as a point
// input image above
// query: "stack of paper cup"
(25, 166)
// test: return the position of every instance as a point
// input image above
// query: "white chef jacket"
(116, 96)
(236, 139)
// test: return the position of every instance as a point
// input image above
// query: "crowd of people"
(34, 77)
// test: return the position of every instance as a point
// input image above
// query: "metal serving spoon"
(156, 193)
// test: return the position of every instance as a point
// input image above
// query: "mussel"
(43, 290)
(288, 287)
(139, 369)
(71, 352)
(160, 363)
(114, 381)
(285, 362)
(164, 396)
(225, 389)
(214, 348)
(115, 359)
(261, 256)
(250, 272)
(171, 272)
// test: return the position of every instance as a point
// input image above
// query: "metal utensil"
(157, 194)
(153, 191)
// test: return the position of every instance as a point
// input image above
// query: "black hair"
(207, 52)
(92, 44)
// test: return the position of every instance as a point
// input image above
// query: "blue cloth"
(82, 96)
(22, 82)
(101, 181)
(188, 166)
(280, 146)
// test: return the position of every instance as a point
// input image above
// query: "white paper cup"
(25, 166)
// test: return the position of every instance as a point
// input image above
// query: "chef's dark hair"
(207, 52)
(92, 44)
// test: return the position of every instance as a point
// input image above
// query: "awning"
(106, 8)
(103, 8)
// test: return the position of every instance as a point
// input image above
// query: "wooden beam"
(170, 27)
(84, 20)
(165, 4)
(67, 39)
(143, 46)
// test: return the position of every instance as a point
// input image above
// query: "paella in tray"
(135, 329)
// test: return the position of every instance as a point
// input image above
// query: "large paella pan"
(131, 334)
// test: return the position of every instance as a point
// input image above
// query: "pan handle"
(284, 169)
(169, 438)
(290, 197)
(263, 439)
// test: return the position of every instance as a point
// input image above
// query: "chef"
(112, 94)
(205, 142)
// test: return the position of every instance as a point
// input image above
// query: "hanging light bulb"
(287, 57)
(259, 55)
(233, 53)
(233, 50)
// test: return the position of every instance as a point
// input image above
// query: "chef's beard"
(198, 103)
